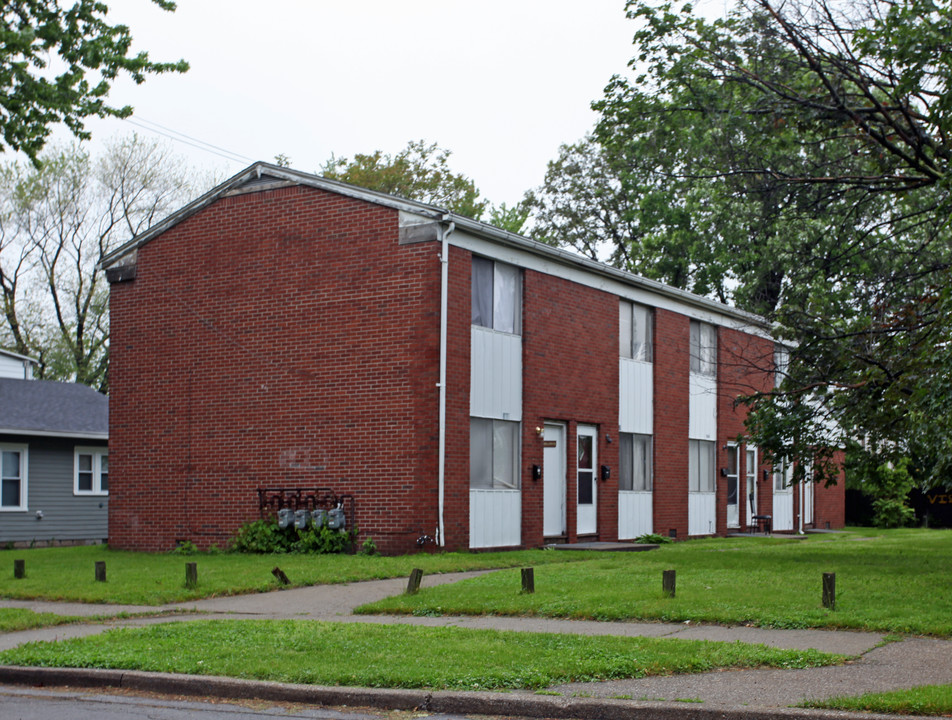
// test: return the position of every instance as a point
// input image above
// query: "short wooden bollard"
(100, 571)
(668, 582)
(19, 569)
(279, 574)
(191, 575)
(413, 584)
(528, 580)
(829, 590)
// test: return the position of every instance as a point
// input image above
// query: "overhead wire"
(177, 136)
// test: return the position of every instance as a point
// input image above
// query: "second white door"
(587, 482)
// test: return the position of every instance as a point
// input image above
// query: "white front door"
(808, 486)
(587, 516)
(783, 498)
(750, 468)
(553, 481)
(733, 486)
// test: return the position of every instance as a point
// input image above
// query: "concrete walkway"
(879, 667)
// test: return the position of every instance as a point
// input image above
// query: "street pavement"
(766, 693)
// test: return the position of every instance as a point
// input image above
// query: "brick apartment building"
(460, 382)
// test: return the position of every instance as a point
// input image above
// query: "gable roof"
(56, 409)
(265, 176)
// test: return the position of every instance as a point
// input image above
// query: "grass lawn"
(68, 573)
(13, 619)
(397, 656)
(889, 581)
(925, 700)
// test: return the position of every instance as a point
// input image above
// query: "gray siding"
(50, 489)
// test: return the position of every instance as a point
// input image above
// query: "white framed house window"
(703, 349)
(493, 454)
(634, 462)
(13, 477)
(635, 326)
(700, 466)
(91, 471)
(497, 296)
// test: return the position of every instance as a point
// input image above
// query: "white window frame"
(24, 476)
(97, 454)
(635, 331)
(703, 348)
(505, 277)
(627, 464)
(497, 466)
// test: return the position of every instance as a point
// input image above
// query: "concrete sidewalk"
(751, 693)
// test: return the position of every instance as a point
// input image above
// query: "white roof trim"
(17, 356)
(54, 433)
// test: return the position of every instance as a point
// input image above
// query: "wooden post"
(416, 575)
(191, 575)
(668, 582)
(100, 571)
(279, 574)
(528, 580)
(19, 569)
(829, 590)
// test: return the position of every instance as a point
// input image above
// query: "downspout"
(444, 292)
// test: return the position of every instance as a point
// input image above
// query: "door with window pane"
(733, 489)
(587, 484)
(750, 467)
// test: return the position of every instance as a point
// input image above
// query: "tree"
(56, 221)
(57, 64)
(418, 172)
(796, 156)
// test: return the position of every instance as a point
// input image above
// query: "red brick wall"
(671, 396)
(275, 338)
(829, 503)
(569, 374)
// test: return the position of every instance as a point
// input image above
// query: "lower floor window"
(700, 466)
(13, 477)
(634, 463)
(91, 471)
(493, 454)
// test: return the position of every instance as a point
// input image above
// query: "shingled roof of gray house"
(58, 409)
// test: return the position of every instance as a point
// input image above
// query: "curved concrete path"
(878, 667)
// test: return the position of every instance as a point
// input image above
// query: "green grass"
(397, 656)
(888, 581)
(14, 619)
(153, 579)
(924, 700)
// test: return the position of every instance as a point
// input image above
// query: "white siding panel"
(702, 421)
(12, 368)
(636, 396)
(783, 509)
(634, 514)
(495, 387)
(495, 518)
(701, 513)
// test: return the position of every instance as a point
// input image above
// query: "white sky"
(499, 83)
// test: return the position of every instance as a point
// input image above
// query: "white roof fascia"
(53, 433)
(17, 356)
(554, 261)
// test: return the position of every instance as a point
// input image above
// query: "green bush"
(653, 539)
(264, 536)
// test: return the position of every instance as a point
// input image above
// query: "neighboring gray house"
(54, 459)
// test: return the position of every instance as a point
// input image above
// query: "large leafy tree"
(795, 158)
(57, 64)
(56, 222)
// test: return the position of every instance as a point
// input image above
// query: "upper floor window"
(703, 348)
(781, 364)
(13, 477)
(91, 471)
(635, 331)
(497, 296)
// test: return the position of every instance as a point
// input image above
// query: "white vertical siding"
(783, 509)
(702, 420)
(635, 396)
(495, 518)
(14, 368)
(495, 387)
(634, 514)
(701, 513)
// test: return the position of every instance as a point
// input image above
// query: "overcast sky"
(500, 83)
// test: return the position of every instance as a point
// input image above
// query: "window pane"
(751, 464)
(695, 346)
(641, 333)
(585, 480)
(506, 306)
(706, 451)
(482, 310)
(505, 454)
(732, 460)
(10, 493)
(85, 463)
(585, 452)
(104, 473)
(708, 349)
(625, 461)
(642, 462)
(84, 481)
(624, 329)
(692, 466)
(10, 464)
(480, 453)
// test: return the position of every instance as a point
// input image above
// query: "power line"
(180, 137)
